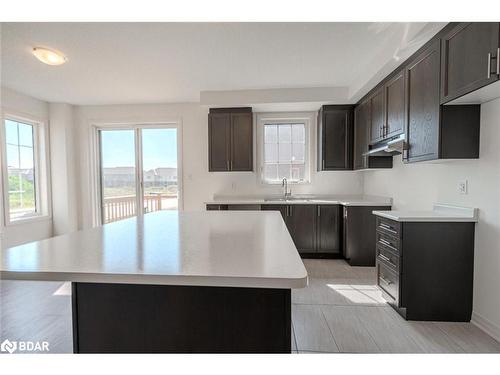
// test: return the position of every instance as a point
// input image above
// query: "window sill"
(28, 220)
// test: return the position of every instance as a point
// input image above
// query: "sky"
(159, 148)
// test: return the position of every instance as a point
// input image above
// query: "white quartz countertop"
(345, 200)
(210, 248)
(439, 213)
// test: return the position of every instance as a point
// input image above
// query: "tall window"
(284, 149)
(21, 169)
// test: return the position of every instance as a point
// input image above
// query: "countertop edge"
(216, 281)
(429, 219)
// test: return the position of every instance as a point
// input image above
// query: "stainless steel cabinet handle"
(489, 66)
(386, 227)
(498, 60)
(385, 281)
(386, 259)
(228, 165)
(381, 240)
(319, 210)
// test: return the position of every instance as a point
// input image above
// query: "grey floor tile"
(470, 338)
(311, 330)
(348, 332)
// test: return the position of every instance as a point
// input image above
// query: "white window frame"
(95, 161)
(41, 165)
(308, 118)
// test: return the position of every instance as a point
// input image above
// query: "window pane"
(298, 152)
(298, 133)
(25, 135)
(285, 152)
(270, 153)
(271, 172)
(298, 172)
(270, 134)
(11, 132)
(26, 157)
(118, 174)
(284, 171)
(12, 156)
(20, 170)
(159, 161)
(285, 133)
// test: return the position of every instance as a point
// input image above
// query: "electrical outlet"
(462, 187)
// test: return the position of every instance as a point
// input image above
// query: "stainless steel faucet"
(286, 193)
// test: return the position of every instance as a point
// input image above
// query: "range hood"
(394, 146)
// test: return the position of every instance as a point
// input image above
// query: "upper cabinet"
(362, 130)
(335, 137)
(395, 105)
(377, 115)
(422, 81)
(230, 139)
(469, 58)
(434, 131)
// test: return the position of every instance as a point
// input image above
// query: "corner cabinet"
(230, 140)
(315, 229)
(335, 137)
(361, 140)
(470, 58)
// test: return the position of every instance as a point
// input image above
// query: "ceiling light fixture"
(49, 56)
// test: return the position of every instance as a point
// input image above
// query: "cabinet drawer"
(388, 257)
(388, 226)
(388, 280)
(389, 242)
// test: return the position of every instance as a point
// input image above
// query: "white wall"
(199, 184)
(418, 186)
(63, 151)
(23, 105)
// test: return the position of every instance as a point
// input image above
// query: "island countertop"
(227, 249)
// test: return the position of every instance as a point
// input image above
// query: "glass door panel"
(118, 175)
(159, 169)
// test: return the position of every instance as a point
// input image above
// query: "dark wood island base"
(139, 318)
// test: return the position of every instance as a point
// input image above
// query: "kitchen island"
(169, 282)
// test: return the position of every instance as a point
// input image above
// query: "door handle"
(228, 165)
(498, 60)
(319, 210)
(489, 66)
(385, 281)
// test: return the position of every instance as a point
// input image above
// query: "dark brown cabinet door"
(219, 142)
(241, 142)
(395, 104)
(328, 229)
(301, 222)
(377, 116)
(423, 110)
(335, 138)
(469, 58)
(361, 128)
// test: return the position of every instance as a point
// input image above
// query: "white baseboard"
(486, 325)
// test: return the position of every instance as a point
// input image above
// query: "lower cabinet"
(358, 233)
(328, 229)
(315, 230)
(425, 269)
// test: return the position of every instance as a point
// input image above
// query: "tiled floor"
(340, 311)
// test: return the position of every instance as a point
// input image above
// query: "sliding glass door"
(138, 169)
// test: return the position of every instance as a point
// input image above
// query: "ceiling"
(121, 63)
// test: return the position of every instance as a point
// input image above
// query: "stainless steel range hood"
(392, 147)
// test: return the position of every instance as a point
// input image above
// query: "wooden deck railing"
(118, 208)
